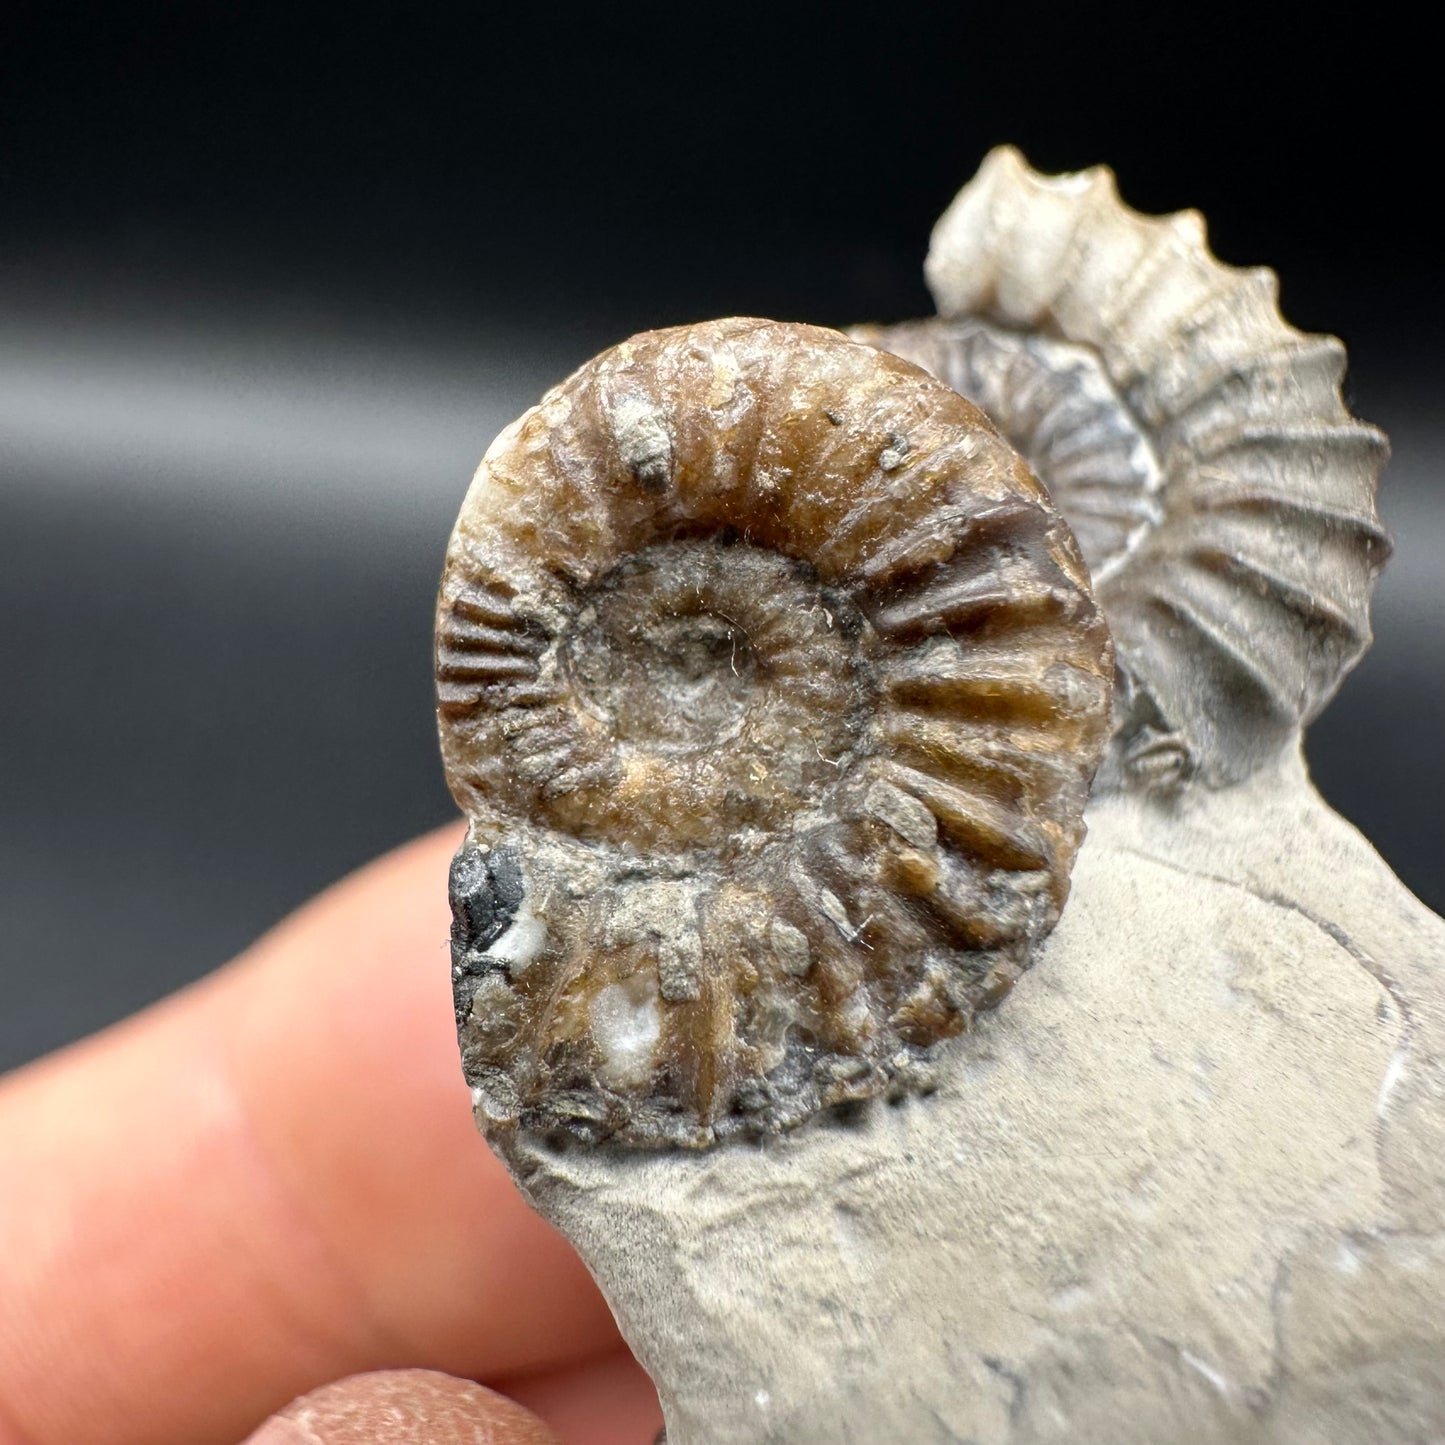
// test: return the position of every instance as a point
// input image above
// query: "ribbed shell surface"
(1222, 493)
(772, 686)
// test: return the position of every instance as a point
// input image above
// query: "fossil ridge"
(1222, 494)
(772, 685)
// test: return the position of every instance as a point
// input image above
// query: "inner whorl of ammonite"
(1055, 403)
(724, 679)
(771, 684)
(1221, 493)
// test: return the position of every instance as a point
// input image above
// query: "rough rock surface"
(1187, 1186)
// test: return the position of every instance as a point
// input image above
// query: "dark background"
(271, 277)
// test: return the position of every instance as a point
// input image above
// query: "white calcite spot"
(1393, 1074)
(1205, 1371)
(626, 1023)
(522, 942)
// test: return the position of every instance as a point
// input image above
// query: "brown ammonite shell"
(770, 681)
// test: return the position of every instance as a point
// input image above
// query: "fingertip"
(403, 1407)
(269, 1180)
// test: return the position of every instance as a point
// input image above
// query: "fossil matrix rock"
(772, 704)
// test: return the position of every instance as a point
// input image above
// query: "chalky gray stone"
(1188, 1183)
(1188, 1186)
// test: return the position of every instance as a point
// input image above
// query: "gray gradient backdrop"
(269, 286)
(218, 553)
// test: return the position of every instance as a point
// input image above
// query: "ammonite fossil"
(1221, 493)
(771, 684)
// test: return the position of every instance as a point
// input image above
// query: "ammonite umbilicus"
(1220, 491)
(772, 686)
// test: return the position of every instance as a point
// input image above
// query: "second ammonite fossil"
(772, 686)
(1221, 492)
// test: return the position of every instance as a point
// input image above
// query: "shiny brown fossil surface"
(770, 681)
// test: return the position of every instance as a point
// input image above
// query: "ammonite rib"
(1222, 494)
(771, 684)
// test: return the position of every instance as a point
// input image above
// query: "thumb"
(403, 1407)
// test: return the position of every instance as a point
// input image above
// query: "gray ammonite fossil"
(771, 684)
(1221, 493)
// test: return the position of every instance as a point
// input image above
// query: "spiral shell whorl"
(1220, 490)
(772, 686)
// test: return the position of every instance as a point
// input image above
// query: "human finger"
(269, 1181)
(403, 1407)
(607, 1401)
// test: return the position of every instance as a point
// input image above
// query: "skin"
(271, 1181)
